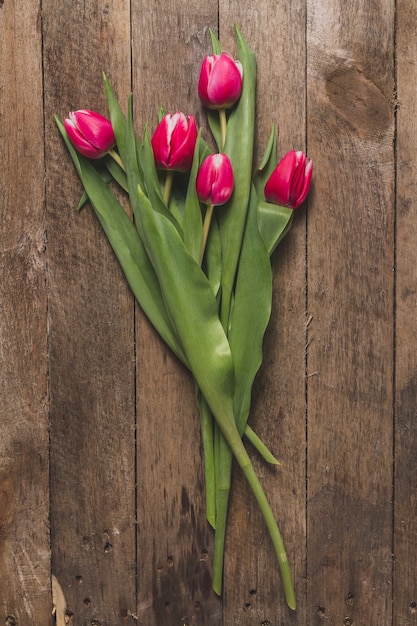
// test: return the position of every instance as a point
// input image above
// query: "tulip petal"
(173, 142)
(215, 180)
(220, 81)
(225, 82)
(80, 143)
(289, 183)
(96, 129)
(160, 144)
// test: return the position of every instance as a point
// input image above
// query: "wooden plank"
(350, 296)
(24, 477)
(405, 583)
(91, 324)
(253, 591)
(174, 539)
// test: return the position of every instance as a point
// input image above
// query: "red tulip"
(173, 142)
(290, 181)
(220, 82)
(90, 133)
(215, 180)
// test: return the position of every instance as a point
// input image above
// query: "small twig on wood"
(58, 602)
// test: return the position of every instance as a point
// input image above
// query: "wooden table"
(101, 480)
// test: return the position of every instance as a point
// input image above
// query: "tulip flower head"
(173, 142)
(215, 180)
(90, 133)
(290, 181)
(220, 82)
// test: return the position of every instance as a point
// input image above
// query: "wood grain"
(91, 336)
(405, 526)
(350, 298)
(24, 476)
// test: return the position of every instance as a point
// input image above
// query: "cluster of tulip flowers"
(202, 276)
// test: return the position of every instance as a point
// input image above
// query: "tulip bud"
(290, 181)
(90, 133)
(173, 142)
(220, 82)
(215, 180)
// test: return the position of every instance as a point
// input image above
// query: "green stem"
(207, 436)
(223, 126)
(232, 437)
(274, 533)
(206, 227)
(168, 186)
(224, 472)
(116, 157)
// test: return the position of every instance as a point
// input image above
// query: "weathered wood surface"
(24, 454)
(351, 298)
(101, 480)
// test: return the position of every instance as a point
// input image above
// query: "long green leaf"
(127, 246)
(239, 147)
(251, 312)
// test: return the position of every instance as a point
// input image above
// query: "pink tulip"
(90, 133)
(215, 180)
(220, 82)
(173, 142)
(290, 181)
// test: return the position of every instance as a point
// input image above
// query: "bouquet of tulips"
(196, 251)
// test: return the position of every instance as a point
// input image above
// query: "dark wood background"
(101, 480)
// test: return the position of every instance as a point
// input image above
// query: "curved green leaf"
(274, 222)
(251, 312)
(267, 165)
(239, 147)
